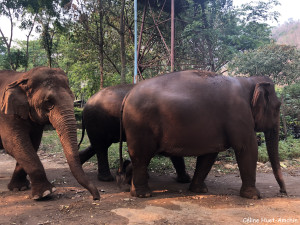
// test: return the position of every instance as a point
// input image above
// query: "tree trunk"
(27, 44)
(101, 43)
(8, 42)
(207, 36)
(122, 47)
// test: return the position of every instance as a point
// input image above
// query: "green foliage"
(10, 8)
(280, 62)
(16, 59)
(291, 107)
(4, 63)
(37, 55)
(50, 142)
(84, 79)
(291, 95)
(216, 31)
(78, 113)
(288, 149)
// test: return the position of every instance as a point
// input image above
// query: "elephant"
(28, 101)
(198, 113)
(101, 119)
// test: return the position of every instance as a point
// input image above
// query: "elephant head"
(266, 113)
(42, 95)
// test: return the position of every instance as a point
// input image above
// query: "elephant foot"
(250, 192)
(184, 178)
(105, 177)
(42, 191)
(19, 185)
(202, 188)
(140, 192)
(283, 192)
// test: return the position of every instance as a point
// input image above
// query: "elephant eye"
(48, 105)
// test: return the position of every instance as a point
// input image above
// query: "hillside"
(288, 33)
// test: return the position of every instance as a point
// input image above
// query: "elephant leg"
(247, 160)
(19, 181)
(102, 158)
(203, 166)
(139, 182)
(40, 185)
(1, 145)
(23, 149)
(86, 154)
(179, 165)
(103, 165)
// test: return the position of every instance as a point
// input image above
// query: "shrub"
(78, 114)
(288, 149)
(291, 107)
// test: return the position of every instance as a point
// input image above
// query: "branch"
(4, 39)
(11, 28)
(113, 64)
(111, 25)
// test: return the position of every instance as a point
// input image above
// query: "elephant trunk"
(272, 138)
(63, 120)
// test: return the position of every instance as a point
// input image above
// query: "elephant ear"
(260, 101)
(14, 101)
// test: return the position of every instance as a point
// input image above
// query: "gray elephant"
(28, 101)
(194, 113)
(101, 119)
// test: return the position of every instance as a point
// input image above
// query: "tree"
(287, 33)
(10, 9)
(89, 17)
(28, 23)
(99, 24)
(38, 56)
(121, 32)
(17, 59)
(280, 62)
(4, 64)
(47, 16)
(47, 40)
(214, 31)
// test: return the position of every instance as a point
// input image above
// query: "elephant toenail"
(36, 197)
(46, 193)
(53, 189)
(23, 188)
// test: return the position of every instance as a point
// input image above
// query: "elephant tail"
(83, 131)
(121, 133)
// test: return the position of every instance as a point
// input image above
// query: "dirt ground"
(171, 203)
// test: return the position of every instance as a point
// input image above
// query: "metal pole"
(172, 34)
(135, 42)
